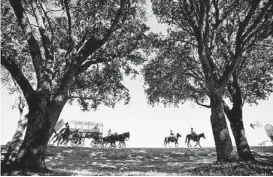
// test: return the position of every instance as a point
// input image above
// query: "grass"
(152, 162)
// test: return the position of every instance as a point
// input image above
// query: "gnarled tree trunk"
(237, 126)
(42, 117)
(220, 130)
(235, 117)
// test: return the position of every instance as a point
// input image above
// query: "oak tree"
(207, 41)
(63, 50)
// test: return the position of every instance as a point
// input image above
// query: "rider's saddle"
(194, 137)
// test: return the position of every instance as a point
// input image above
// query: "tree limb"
(206, 106)
(238, 49)
(18, 76)
(91, 45)
(45, 39)
(69, 25)
(32, 42)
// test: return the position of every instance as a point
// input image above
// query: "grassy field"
(151, 162)
(77, 161)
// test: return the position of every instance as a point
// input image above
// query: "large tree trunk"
(31, 156)
(235, 117)
(237, 127)
(42, 117)
(220, 130)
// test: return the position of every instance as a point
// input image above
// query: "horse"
(122, 138)
(109, 139)
(72, 136)
(196, 138)
(58, 137)
(174, 140)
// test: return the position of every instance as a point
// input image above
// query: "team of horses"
(77, 138)
(174, 139)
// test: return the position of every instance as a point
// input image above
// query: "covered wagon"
(88, 129)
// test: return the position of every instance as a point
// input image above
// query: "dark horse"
(112, 139)
(71, 136)
(109, 139)
(172, 139)
(196, 138)
(121, 138)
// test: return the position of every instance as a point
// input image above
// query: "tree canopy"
(100, 39)
(177, 73)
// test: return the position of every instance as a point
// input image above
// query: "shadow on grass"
(234, 169)
(150, 162)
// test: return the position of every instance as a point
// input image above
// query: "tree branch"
(84, 98)
(91, 45)
(32, 42)
(238, 49)
(200, 104)
(69, 25)
(45, 39)
(87, 64)
(18, 76)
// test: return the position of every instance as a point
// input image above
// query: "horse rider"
(171, 133)
(109, 132)
(193, 133)
(65, 131)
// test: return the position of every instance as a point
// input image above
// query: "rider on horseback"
(109, 132)
(194, 135)
(65, 131)
(171, 134)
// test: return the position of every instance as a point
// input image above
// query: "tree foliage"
(92, 42)
(208, 39)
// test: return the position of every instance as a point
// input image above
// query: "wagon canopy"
(86, 126)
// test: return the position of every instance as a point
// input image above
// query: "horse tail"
(186, 139)
(165, 141)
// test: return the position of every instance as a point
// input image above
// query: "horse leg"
(61, 141)
(176, 143)
(189, 143)
(124, 144)
(58, 141)
(54, 142)
(199, 144)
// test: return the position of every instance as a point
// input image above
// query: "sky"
(147, 125)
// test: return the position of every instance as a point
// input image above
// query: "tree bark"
(42, 116)
(237, 127)
(235, 117)
(31, 156)
(220, 130)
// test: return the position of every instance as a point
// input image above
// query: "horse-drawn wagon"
(87, 129)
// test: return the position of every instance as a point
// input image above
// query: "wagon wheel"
(94, 143)
(100, 144)
(73, 143)
(80, 142)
